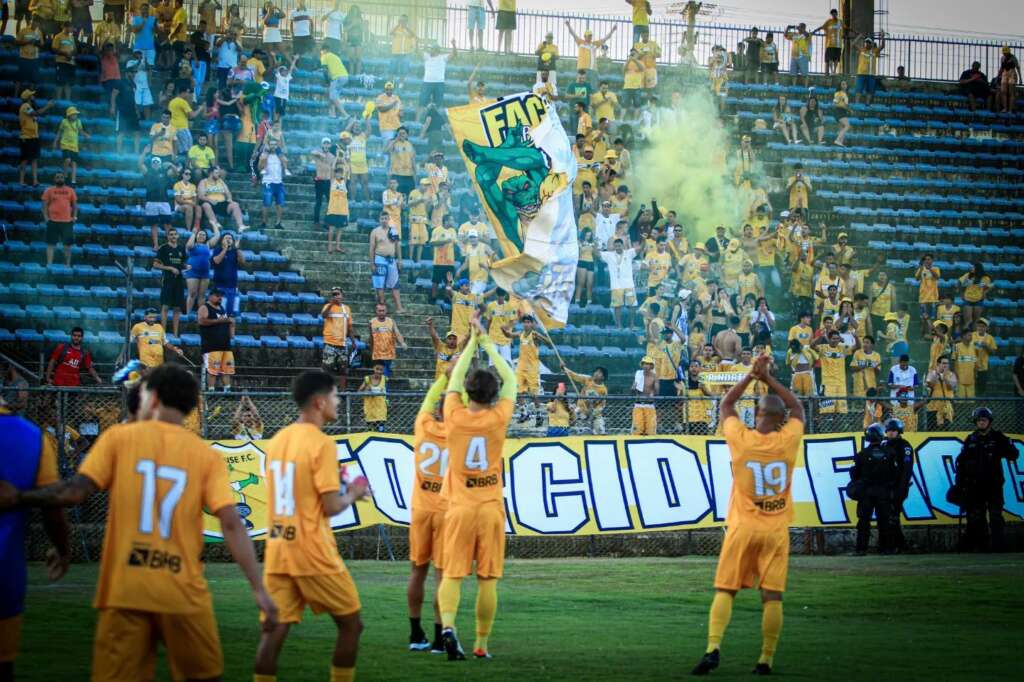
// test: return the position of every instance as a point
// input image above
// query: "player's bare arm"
(236, 537)
(68, 493)
(334, 504)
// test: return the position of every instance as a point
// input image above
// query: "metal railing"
(924, 57)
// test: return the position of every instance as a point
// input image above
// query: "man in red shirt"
(60, 211)
(68, 360)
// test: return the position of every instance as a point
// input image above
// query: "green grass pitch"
(937, 617)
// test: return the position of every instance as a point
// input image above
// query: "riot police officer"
(979, 482)
(903, 451)
(874, 479)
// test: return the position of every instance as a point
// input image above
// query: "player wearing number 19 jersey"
(160, 477)
(756, 546)
(302, 566)
(426, 531)
(475, 521)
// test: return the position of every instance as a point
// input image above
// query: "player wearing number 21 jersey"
(475, 520)
(302, 566)
(756, 546)
(426, 530)
(160, 477)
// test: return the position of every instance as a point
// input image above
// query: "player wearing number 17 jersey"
(756, 546)
(426, 531)
(302, 566)
(160, 476)
(475, 521)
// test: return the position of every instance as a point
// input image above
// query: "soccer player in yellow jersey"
(756, 546)
(426, 530)
(302, 566)
(151, 340)
(475, 520)
(160, 478)
(864, 366)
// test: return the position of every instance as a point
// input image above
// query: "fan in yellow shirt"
(833, 353)
(864, 367)
(151, 340)
(984, 344)
(966, 358)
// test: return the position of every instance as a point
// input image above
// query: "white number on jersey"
(769, 479)
(284, 479)
(436, 454)
(150, 473)
(476, 455)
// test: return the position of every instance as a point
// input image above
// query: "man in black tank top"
(216, 330)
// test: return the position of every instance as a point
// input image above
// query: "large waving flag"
(522, 165)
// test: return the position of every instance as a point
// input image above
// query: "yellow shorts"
(125, 645)
(426, 537)
(474, 533)
(965, 390)
(803, 383)
(418, 234)
(10, 638)
(333, 593)
(835, 406)
(650, 78)
(645, 421)
(621, 297)
(528, 382)
(750, 558)
(219, 362)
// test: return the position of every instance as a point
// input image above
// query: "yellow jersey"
(375, 407)
(983, 345)
(762, 467)
(390, 119)
(160, 477)
(337, 323)
(337, 201)
(946, 314)
(867, 60)
(867, 377)
(500, 315)
(475, 443)
(803, 280)
(928, 291)
(965, 356)
(382, 332)
(150, 339)
(444, 254)
(907, 414)
(393, 203)
(881, 303)
(658, 267)
(302, 465)
(463, 306)
(529, 354)
(974, 290)
(833, 364)
(444, 357)
(479, 259)
(430, 449)
(801, 334)
(558, 414)
(403, 154)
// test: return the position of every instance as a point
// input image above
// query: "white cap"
(784, 214)
(473, 233)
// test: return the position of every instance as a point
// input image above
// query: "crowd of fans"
(701, 307)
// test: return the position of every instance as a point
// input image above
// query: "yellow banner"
(592, 485)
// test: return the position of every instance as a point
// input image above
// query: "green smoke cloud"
(688, 167)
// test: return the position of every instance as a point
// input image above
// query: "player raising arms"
(426, 531)
(756, 546)
(475, 521)
(302, 565)
(160, 477)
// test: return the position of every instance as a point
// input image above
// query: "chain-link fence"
(75, 418)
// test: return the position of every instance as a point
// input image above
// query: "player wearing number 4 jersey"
(426, 531)
(302, 566)
(756, 546)
(475, 521)
(160, 476)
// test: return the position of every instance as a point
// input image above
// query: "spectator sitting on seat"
(68, 360)
(247, 423)
(811, 119)
(185, 200)
(60, 211)
(216, 200)
(784, 120)
(201, 157)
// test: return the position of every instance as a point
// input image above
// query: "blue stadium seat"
(273, 342)
(28, 336)
(299, 342)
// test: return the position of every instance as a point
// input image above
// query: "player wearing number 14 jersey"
(160, 476)
(302, 566)
(756, 546)
(426, 531)
(475, 520)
